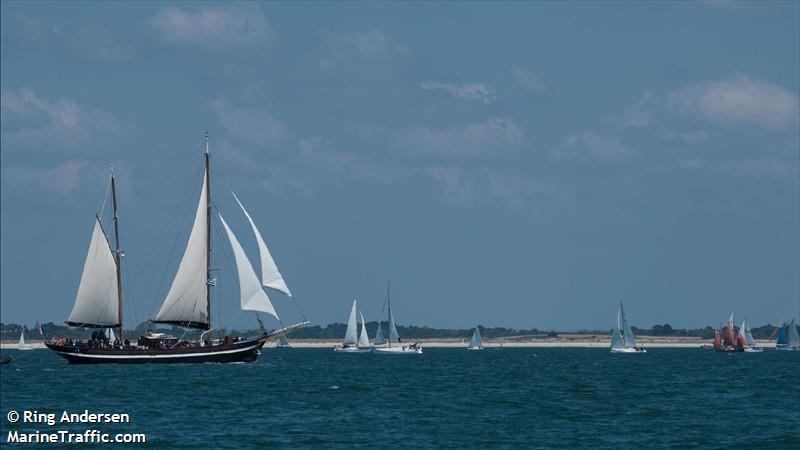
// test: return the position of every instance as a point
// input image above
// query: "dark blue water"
(504, 398)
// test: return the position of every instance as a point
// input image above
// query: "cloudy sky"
(518, 164)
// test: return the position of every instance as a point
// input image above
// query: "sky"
(523, 165)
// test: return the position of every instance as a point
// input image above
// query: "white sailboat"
(475, 343)
(394, 336)
(622, 339)
(283, 343)
(22, 345)
(351, 342)
(751, 346)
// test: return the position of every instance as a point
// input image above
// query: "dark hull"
(243, 351)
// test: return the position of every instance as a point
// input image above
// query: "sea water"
(445, 398)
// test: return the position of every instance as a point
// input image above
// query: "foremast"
(117, 254)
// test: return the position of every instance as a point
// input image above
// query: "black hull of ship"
(243, 351)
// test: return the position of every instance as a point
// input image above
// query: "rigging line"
(158, 240)
(105, 197)
(164, 274)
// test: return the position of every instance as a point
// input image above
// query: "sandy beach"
(567, 341)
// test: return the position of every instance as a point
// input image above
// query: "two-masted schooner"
(99, 301)
(729, 339)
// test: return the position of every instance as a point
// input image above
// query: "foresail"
(351, 335)
(393, 335)
(97, 303)
(363, 339)
(630, 340)
(186, 302)
(253, 297)
(270, 276)
(794, 338)
(379, 339)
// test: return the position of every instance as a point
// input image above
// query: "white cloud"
(640, 114)
(786, 170)
(31, 121)
(254, 126)
(456, 188)
(737, 99)
(470, 140)
(213, 27)
(596, 146)
(469, 91)
(528, 80)
(61, 179)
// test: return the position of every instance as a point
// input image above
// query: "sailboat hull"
(628, 350)
(352, 349)
(397, 350)
(474, 348)
(243, 351)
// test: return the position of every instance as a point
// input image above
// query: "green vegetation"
(334, 331)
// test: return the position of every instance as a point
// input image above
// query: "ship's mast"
(117, 254)
(389, 304)
(208, 235)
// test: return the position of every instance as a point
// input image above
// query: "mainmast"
(389, 304)
(117, 254)
(208, 234)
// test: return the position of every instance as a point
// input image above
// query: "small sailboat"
(788, 338)
(622, 339)
(22, 345)
(283, 343)
(379, 339)
(750, 343)
(475, 342)
(394, 336)
(729, 339)
(351, 342)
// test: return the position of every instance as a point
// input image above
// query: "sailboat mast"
(389, 303)
(117, 254)
(208, 233)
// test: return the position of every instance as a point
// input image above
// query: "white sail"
(363, 339)
(393, 335)
(379, 340)
(283, 342)
(351, 335)
(475, 341)
(21, 339)
(616, 340)
(630, 341)
(110, 335)
(97, 302)
(270, 276)
(187, 299)
(253, 297)
(794, 338)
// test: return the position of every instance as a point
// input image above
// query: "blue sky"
(509, 164)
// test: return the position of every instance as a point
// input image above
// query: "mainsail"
(186, 303)
(351, 335)
(475, 341)
(253, 297)
(97, 301)
(788, 336)
(21, 339)
(379, 340)
(363, 339)
(747, 335)
(729, 338)
(270, 276)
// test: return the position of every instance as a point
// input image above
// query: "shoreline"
(497, 343)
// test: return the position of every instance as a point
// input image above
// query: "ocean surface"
(446, 398)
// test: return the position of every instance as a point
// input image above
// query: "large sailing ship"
(99, 301)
